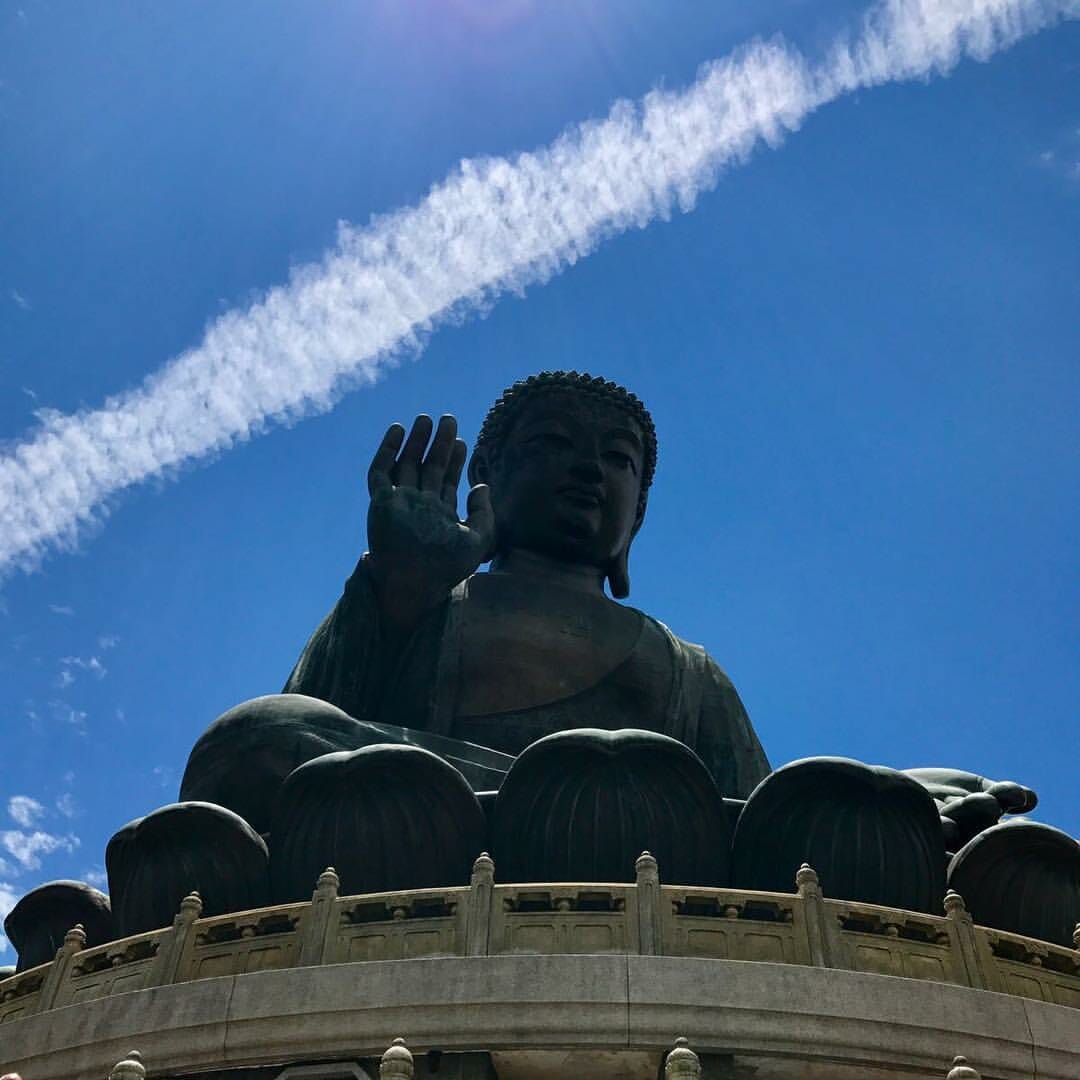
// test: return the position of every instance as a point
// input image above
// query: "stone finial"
(961, 1070)
(131, 1068)
(190, 907)
(954, 904)
(397, 1062)
(806, 877)
(75, 939)
(483, 869)
(328, 884)
(682, 1063)
(645, 867)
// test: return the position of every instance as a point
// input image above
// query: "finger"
(481, 517)
(378, 477)
(407, 470)
(453, 474)
(433, 470)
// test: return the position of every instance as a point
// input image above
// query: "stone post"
(131, 1068)
(822, 931)
(682, 1063)
(647, 890)
(320, 925)
(174, 944)
(961, 1070)
(481, 892)
(397, 1062)
(964, 944)
(60, 970)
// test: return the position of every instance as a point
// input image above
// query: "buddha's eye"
(621, 460)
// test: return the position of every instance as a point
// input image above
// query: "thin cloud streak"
(8, 899)
(496, 225)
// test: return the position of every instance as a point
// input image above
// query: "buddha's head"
(569, 459)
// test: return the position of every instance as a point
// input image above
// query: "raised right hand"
(419, 549)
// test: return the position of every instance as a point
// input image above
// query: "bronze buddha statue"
(422, 639)
(440, 710)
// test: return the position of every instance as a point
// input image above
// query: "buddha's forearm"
(405, 592)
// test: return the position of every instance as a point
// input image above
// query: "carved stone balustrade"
(487, 918)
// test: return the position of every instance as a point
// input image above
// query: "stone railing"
(490, 919)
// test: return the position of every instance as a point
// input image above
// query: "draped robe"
(664, 684)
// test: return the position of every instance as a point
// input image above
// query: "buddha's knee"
(244, 756)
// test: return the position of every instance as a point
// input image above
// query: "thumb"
(481, 516)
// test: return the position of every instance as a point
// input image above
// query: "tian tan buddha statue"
(561, 474)
(441, 710)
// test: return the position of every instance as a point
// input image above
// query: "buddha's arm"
(724, 737)
(419, 551)
(341, 661)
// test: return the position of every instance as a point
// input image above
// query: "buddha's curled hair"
(512, 400)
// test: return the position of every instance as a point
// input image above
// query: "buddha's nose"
(587, 468)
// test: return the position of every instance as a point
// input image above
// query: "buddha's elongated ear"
(618, 574)
(479, 467)
(618, 571)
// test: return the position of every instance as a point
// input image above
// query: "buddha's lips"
(589, 496)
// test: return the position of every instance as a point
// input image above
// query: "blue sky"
(860, 351)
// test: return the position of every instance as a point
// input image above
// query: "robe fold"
(666, 685)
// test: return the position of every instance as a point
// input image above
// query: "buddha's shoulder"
(693, 658)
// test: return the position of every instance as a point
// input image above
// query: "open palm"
(414, 532)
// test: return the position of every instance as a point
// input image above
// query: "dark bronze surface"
(1021, 876)
(36, 925)
(582, 805)
(385, 817)
(428, 654)
(533, 646)
(871, 833)
(153, 862)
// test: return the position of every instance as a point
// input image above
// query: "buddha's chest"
(523, 647)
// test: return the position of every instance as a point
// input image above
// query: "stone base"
(601, 1016)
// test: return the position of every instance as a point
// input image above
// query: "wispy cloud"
(62, 609)
(25, 811)
(19, 300)
(164, 775)
(68, 714)
(27, 848)
(89, 664)
(96, 876)
(66, 805)
(496, 225)
(9, 897)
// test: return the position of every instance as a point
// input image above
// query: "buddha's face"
(568, 480)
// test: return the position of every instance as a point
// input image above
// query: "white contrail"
(494, 225)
